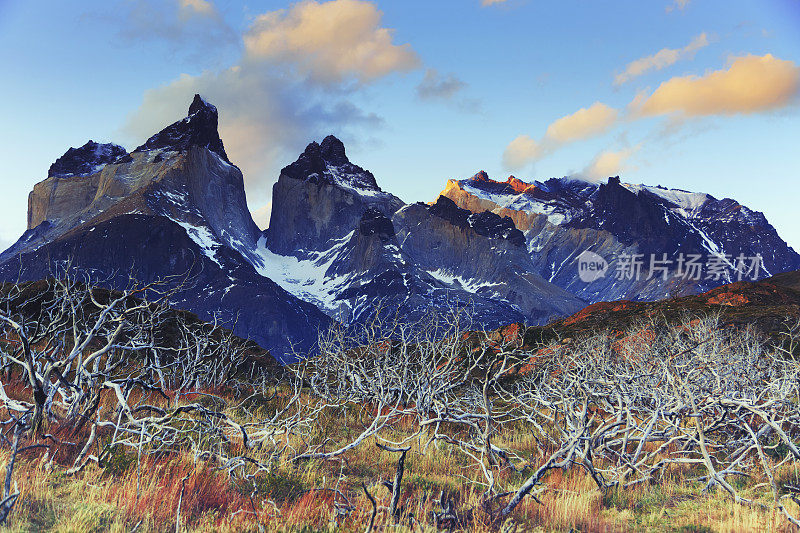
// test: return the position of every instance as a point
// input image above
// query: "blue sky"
(700, 95)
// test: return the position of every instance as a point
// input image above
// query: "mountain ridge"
(340, 248)
(562, 218)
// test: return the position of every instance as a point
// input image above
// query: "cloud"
(329, 42)
(750, 84)
(520, 152)
(201, 7)
(435, 86)
(661, 59)
(584, 123)
(677, 4)
(179, 23)
(485, 3)
(273, 102)
(609, 163)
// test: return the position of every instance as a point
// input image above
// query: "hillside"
(770, 306)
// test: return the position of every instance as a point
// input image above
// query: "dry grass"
(298, 497)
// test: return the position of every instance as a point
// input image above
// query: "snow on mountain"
(561, 218)
(338, 247)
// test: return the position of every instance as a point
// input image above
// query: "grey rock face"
(494, 267)
(484, 223)
(320, 198)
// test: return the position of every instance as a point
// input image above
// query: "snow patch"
(468, 284)
(519, 202)
(688, 203)
(308, 278)
(203, 237)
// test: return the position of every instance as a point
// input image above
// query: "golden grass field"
(131, 493)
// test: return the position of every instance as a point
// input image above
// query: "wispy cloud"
(520, 152)
(610, 163)
(448, 89)
(491, 2)
(201, 7)
(437, 86)
(661, 59)
(677, 4)
(750, 84)
(582, 124)
(195, 26)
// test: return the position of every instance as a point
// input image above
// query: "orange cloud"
(520, 152)
(749, 85)
(661, 59)
(609, 163)
(329, 41)
(584, 123)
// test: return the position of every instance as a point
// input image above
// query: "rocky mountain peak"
(199, 128)
(519, 186)
(328, 163)
(482, 176)
(511, 186)
(85, 160)
(199, 105)
(332, 150)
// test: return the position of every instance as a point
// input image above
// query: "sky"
(694, 94)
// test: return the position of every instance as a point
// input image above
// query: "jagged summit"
(482, 176)
(332, 150)
(85, 160)
(512, 185)
(484, 223)
(200, 104)
(328, 163)
(199, 128)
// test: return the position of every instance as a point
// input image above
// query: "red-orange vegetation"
(598, 309)
(206, 489)
(310, 508)
(729, 298)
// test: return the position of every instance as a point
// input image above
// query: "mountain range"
(338, 248)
